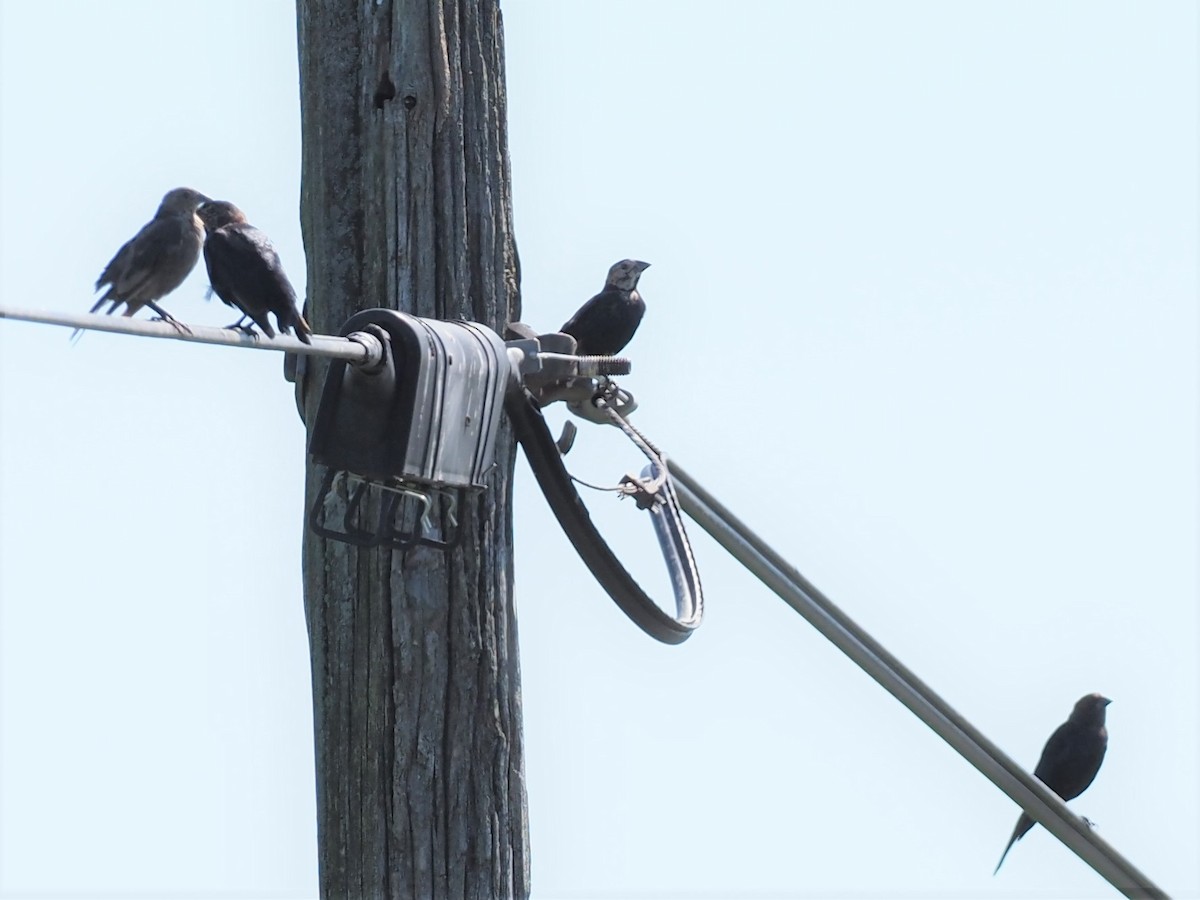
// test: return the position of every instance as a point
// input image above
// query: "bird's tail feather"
(1011, 841)
(78, 332)
(1023, 825)
(303, 331)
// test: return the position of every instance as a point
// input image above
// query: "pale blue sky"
(922, 311)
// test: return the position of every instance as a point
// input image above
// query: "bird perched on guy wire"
(1070, 759)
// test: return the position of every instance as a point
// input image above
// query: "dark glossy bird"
(606, 323)
(157, 259)
(245, 271)
(1070, 759)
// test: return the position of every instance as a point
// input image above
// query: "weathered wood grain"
(416, 680)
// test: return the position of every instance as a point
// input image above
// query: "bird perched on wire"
(157, 259)
(1070, 759)
(245, 271)
(606, 323)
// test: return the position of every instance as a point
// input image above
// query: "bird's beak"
(1106, 701)
(642, 266)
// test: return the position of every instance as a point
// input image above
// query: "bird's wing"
(246, 263)
(263, 270)
(252, 241)
(158, 240)
(1071, 759)
(582, 317)
(606, 323)
(116, 265)
(216, 261)
(1057, 755)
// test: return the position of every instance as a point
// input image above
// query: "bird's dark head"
(1090, 709)
(181, 201)
(624, 275)
(216, 213)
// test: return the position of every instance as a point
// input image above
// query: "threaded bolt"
(604, 365)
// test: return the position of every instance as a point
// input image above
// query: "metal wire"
(1024, 789)
(359, 349)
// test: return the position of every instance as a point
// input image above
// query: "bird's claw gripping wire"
(241, 326)
(164, 316)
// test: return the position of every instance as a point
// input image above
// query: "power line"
(772, 569)
(1024, 789)
(359, 348)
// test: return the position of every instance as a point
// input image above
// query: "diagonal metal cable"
(773, 570)
(1023, 788)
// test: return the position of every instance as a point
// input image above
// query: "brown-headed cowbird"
(1070, 759)
(606, 323)
(245, 271)
(157, 259)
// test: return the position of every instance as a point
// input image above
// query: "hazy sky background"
(922, 311)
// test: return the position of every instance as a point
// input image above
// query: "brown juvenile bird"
(157, 259)
(606, 323)
(245, 271)
(1070, 759)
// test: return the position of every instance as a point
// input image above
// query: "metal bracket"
(399, 512)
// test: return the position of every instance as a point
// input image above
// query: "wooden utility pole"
(416, 680)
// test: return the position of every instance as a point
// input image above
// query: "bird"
(157, 259)
(245, 271)
(1070, 759)
(607, 322)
